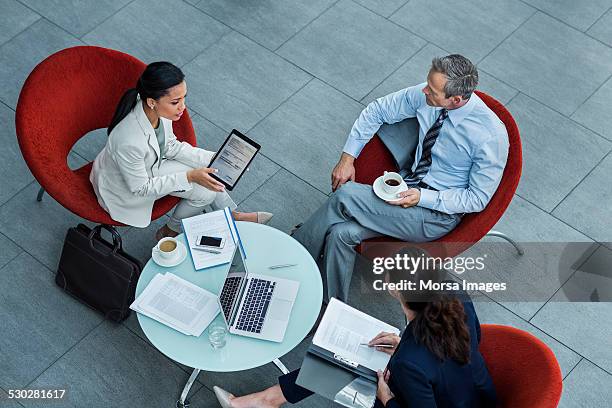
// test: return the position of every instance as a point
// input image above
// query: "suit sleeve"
(131, 163)
(186, 153)
(414, 387)
(392, 108)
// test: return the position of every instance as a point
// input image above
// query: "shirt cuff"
(428, 198)
(352, 147)
(184, 184)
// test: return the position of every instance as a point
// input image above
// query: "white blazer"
(125, 174)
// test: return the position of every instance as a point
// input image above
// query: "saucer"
(179, 258)
(382, 194)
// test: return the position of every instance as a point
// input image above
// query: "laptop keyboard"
(230, 287)
(255, 305)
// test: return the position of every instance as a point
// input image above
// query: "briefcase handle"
(117, 244)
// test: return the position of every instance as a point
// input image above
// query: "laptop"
(255, 305)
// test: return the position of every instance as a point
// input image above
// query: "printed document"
(342, 331)
(177, 303)
(213, 224)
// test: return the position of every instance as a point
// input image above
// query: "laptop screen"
(233, 287)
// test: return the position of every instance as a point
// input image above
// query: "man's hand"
(383, 393)
(385, 338)
(408, 198)
(202, 177)
(343, 172)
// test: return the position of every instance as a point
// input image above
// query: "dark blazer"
(419, 379)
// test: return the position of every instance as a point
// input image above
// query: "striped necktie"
(425, 162)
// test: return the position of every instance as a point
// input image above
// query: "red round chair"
(68, 95)
(375, 159)
(524, 370)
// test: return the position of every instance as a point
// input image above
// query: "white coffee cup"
(392, 178)
(167, 248)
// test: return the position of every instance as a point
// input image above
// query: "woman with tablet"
(143, 161)
(435, 363)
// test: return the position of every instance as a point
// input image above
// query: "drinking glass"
(217, 335)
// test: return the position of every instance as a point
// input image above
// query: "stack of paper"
(215, 224)
(344, 330)
(177, 303)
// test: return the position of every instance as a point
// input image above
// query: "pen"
(281, 266)
(212, 251)
(378, 345)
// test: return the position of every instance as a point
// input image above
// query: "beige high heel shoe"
(264, 217)
(223, 397)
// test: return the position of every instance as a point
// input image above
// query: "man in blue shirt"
(458, 163)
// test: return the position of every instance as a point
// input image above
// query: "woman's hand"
(343, 172)
(383, 392)
(385, 338)
(202, 177)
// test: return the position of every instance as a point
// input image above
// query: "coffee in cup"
(392, 182)
(167, 248)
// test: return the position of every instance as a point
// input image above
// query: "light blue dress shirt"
(467, 160)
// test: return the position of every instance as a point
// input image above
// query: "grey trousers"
(354, 213)
(195, 200)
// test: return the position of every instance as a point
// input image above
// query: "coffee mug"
(392, 182)
(167, 248)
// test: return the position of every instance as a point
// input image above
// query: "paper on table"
(343, 328)
(215, 224)
(177, 303)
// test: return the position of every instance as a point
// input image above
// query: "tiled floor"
(294, 75)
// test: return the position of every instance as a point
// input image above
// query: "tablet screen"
(233, 158)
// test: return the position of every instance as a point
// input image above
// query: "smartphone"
(210, 242)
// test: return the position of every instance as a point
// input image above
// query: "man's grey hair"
(461, 75)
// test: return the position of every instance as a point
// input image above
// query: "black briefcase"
(97, 272)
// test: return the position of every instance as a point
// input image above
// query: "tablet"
(233, 158)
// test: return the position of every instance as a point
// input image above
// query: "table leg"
(184, 402)
(280, 366)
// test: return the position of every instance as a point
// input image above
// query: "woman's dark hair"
(440, 322)
(154, 83)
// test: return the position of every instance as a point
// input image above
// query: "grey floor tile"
(586, 386)
(15, 173)
(383, 7)
(594, 113)
(528, 62)
(305, 135)
(602, 30)
(586, 208)
(290, 199)
(14, 17)
(138, 242)
(236, 82)
(553, 146)
(39, 321)
(525, 222)
(487, 23)
(578, 14)
(76, 17)
(7, 402)
(257, 379)
(179, 34)
(112, 367)
(40, 228)
(492, 313)
(592, 282)
(415, 70)
(91, 144)
(269, 23)
(585, 327)
(40, 40)
(351, 48)
(211, 137)
(9, 250)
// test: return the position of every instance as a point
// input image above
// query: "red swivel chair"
(375, 159)
(524, 370)
(69, 94)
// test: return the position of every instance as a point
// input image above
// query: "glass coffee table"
(264, 247)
